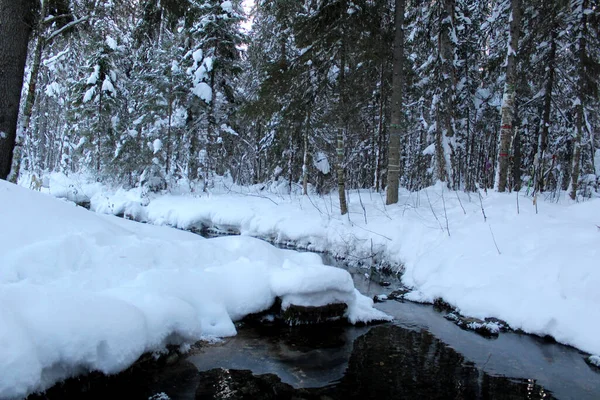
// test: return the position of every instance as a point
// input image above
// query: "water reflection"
(303, 356)
(393, 362)
(388, 362)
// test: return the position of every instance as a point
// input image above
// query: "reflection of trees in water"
(392, 362)
(388, 362)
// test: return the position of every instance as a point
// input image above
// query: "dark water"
(419, 356)
(422, 346)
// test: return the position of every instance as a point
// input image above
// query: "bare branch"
(66, 28)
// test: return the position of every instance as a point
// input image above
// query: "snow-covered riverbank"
(81, 291)
(494, 256)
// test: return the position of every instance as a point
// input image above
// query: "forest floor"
(487, 254)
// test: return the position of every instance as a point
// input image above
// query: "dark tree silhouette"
(16, 21)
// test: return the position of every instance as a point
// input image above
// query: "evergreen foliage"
(161, 92)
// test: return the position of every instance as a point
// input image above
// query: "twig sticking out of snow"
(460, 202)
(230, 190)
(363, 207)
(494, 239)
(445, 213)
(433, 211)
(481, 203)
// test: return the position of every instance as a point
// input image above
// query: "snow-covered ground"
(537, 268)
(81, 291)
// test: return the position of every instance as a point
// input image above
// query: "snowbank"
(81, 292)
(536, 270)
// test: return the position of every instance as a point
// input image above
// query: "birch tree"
(508, 98)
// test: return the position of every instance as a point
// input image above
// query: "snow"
(76, 190)
(175, 68)
(203, 91)
(80, 291)
(227, 6)
(94, 76)
(157, 146)
(107, 86)
(197, 55)
(595, 360)
(89, 94)
(3, 135)
(429, 150)
(111, 42)
(53, 89)
(536, 271)
(321, 163)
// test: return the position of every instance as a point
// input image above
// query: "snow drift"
(537, 268)
(81, 292)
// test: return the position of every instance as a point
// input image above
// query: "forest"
(264, 179)
(321, 95)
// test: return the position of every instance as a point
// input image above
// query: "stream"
(420, 355)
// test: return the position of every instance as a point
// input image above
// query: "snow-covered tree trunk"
(393, 178)
(340, 146)
(445, 117)
(305, 160)
(194, 147)
(508, 99)
(579, 106)
(170, 100)
(540, 161)
(16, 20)
(378, 143)
(31, 93)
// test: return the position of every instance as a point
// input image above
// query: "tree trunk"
(516, 148)
(194, 147)
(445, 117)
(508, 100)
(31, 93)
(378, 140)
(581, 55)
(291, 154)
(16, 20)
(169, 126)
(305, 159)
(393, 177)
(340, 147)
(543, 138)
(341, 172)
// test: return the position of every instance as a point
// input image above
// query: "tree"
(508, 100)
(55, 19)
(397, 107)
(580, 27)
(16, 21)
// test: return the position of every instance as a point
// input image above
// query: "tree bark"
(544, 132)
(445, 108)
(581, 55)
(508, 100)
(340, 146)
(378, 143)
(305, 158)
(31, 94)
(393, 175)
(16, 20)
